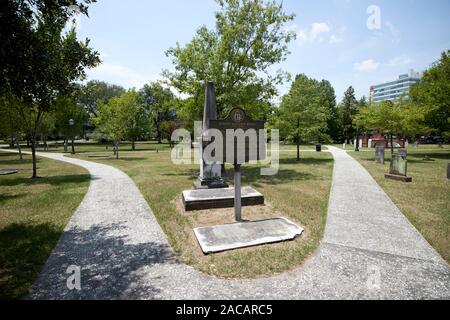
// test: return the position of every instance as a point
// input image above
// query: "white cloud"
(395, 33)
(366, 65)
(335, 39)
(402, 60)
(317, 28)
(103, 55)
(302, 36)
(317, 32)
(121, 75)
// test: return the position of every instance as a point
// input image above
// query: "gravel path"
(369, 251)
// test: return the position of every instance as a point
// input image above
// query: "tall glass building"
(394, 89)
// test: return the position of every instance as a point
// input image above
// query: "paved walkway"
(369, 251)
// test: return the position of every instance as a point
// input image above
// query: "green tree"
(67, 109)
(120, 118)
(167, 128)
(159, 105)
(433, 93)
(46, 128)
(10, 121)
(40, 62)
(248, 39)
(347, 111)
(303, 116)
(392, 118)
(328, 101)
(94, 91)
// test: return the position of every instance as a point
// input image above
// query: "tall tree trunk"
(33, 156)
(117, 150)
(392, 146)
(298, 139)
(11, 144)
(19, 148)
(158, 134)
(133, 145)
(73, 146)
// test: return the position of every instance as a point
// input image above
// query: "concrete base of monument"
(397, 177)
(202, 199)
(245, 234)
(4, 172)
(210, 184)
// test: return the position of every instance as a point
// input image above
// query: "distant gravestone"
(379, 154)
(398, 167)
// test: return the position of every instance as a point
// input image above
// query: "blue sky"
(333, 40)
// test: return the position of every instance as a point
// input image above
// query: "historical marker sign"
(244, 140)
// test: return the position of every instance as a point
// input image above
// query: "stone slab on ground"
(245, 234)
(99, 156)
(4, 172)
(397, 177)
(202, 199)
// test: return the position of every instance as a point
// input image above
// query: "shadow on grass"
(23, 251)
(7, 197)
(432, 155)
(18, 161)
(110, 265)
(55, 180)
(125, 158)
(191, 174)
(306, 160)
(98, 147)
(253, 175)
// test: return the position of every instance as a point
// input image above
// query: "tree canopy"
(160, 104)
(348, 109)
(122, 117)
(303, 114)
(39, 61)
(433, 93)
(236, 55)
(94, 91)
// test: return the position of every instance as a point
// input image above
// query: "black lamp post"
(71, 124)
(357, 140)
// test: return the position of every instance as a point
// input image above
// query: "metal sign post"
(237, 192)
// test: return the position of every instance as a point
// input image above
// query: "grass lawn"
(426, 200)
(299, 192)
(33, 213)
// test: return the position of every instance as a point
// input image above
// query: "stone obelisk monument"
(210, 174)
